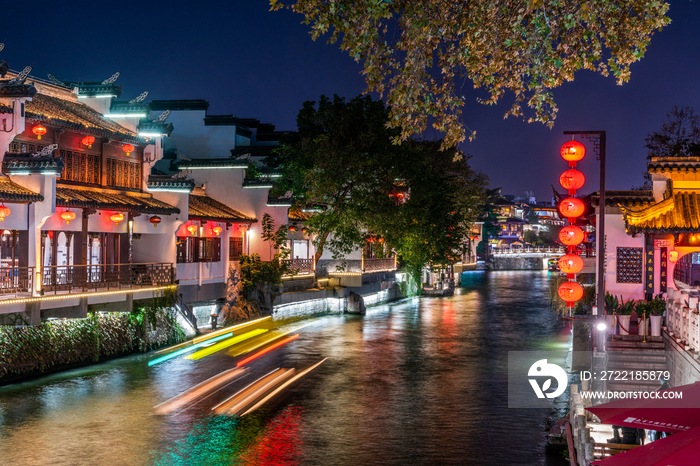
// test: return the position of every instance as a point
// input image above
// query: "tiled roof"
(20, 90)
(76, 116)
(164, 182)
(678, 213)
(203, 207)
(220, 120)
(155, 127)
(211, 163)
(253, 151)
(109, 199)
(125, 106)
(673, 164)
(14, 163)
(13, 193)
(630, 198)
(197, 104)
(298, 215)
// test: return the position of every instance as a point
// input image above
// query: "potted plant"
(624, 314)
(643, 309)
(657, 309)
(611, 304)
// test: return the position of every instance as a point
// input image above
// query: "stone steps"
(634, 385)
(634, 345)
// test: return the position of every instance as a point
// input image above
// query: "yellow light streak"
(229, 329)
(225, 344)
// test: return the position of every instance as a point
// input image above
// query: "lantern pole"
(599, 141)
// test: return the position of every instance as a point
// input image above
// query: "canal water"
(416, 382)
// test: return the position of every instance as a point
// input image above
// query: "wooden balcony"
(377, 265)
(20, 281)
(300, 266)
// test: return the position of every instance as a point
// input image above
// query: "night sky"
(251, 62)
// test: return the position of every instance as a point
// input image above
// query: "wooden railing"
(82, 278)
(300, 265)
(371, 265)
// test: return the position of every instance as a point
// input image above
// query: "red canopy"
(678, 449)
(666, 415)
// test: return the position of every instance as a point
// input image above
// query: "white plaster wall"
(193, 139)
(615, 236)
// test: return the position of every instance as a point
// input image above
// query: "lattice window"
(235, 248)
(123, 174)
(630, 262)
(80, 167)
(191, 249)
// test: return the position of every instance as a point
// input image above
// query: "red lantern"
(39, 131)
(50, 234)
(570, 292)
(292, 228)
(572, 151)
(571, 207)
(68, 216)
(572, 179)
(571, 235)
(673, 256)
(116, 218)
(305, 231)
(243, 229)
(217, 230)
(128, 148)
(155, 220)
(192, 229)
(88, 141)
(570, 263)
(4, 212)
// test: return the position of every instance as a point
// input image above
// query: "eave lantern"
(673, 256)
(128, 148)
(155, 220)
(305, 231)
(39, 131)
(243, 229)
(116, 218)
(68, 216)
(217, 230)
(4, 212)
(571, 235)
(192, 229)
(292, 228)
(88, 141)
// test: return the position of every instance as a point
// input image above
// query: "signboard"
(649, 267)
(663, 284)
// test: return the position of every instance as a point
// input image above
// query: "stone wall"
(519, 262)
(682, 365)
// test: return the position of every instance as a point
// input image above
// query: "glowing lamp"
(673, 256)
(68, 216)
(473, 237)
(243, 229)
(128, 148)
(400, 195)
(570, 263)
(381, 240)
(155, 220)
(116, 218)
(217, 230)
(572, 179)
(305, 231)
(88, 141)
(192, 229)
(4, 212)
(571, 235)
(570, 292)
(572, 151)
(39, 131)
(292, 228)
(571, 207)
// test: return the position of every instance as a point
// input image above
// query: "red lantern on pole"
(155, 220)
(572, 151)
(88, 141)
(571, 235)
(571, 207)
(128, 148)
(570, 263)
(572, 179)
(570, 292)
(39, 131)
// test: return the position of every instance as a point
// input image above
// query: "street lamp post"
(598, 140)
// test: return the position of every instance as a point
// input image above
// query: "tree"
(679, 135)
(418, 53)
(530, 236)
(343, 165)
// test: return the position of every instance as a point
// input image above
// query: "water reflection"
(418, 382)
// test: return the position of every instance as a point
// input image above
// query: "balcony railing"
(373, 265)
(300, 266)
(85, 278)
(529, 250)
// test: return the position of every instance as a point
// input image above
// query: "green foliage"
(252, 172)
(342, 163)
(611, 303)
(626, 307)
(582, 307)
(274, 238)
(257, 272)
(530, 236)
(419, 54)
(56, 343)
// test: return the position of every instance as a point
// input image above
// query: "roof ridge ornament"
(181, 175)
(46, 151)
(19, 80)
(111, 80)
(182, 157)
(2, 46)
(141, 97)
(55, 81)
(163, 116)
